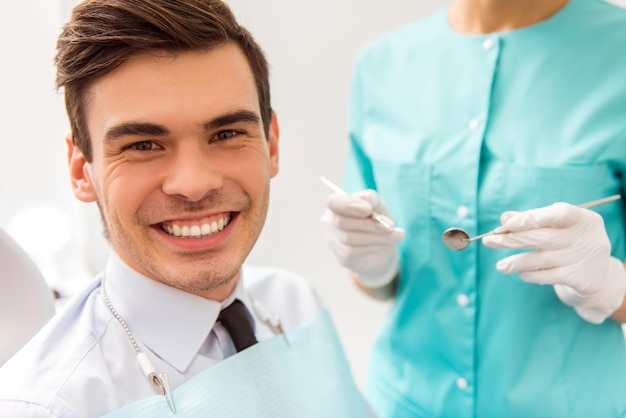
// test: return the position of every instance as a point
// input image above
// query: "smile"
(201, 229)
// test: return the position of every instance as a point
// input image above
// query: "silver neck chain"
(159, 380)
(118, 317)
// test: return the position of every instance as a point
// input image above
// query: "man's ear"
(273, 145)
(80, 174)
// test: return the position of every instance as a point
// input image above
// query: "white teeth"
(197, 231)
(194, 231)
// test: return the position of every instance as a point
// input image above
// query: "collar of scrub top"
(185, 337)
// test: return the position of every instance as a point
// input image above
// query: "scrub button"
(488, 44)
(473, 124)
(462, 300)
(462, 212)
(461, 383)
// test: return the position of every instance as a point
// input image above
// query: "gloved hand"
(361, 244)
(572, 252)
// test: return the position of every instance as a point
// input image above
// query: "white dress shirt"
(83, 364)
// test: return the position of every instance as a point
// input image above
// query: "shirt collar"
(172, 323)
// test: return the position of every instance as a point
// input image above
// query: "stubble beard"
(194, 280)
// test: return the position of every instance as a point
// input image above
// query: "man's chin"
(196, 281)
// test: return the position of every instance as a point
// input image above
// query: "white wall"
(33, 169)
(311, 47)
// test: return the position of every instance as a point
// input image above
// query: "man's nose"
(192, 175)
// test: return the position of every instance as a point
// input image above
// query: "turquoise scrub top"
(453, 130)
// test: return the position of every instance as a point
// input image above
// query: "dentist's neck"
(487, 16)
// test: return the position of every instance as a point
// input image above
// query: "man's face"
(181, 165)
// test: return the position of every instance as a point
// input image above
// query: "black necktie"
(236, 321)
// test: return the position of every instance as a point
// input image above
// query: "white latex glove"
(361, 244)
(572, 252)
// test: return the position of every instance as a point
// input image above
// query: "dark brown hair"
(103, 34)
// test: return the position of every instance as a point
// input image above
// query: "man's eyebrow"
(153, 129)
(135, 128)
(237, 116)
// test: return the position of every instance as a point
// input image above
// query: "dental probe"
(375, 216)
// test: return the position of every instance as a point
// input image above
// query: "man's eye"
(142, 146)
(225, 135)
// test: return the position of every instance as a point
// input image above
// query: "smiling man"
(173, 136)
(180, 165)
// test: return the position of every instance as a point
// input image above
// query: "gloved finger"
(358, 204)
(374, 199)
(349, 205)
(507, 215)
(346, 223)
(347, 254)
(541, 239)
(557, 215)
(360, 232)
(536, 261)
(561, 275)
(513, 264)
(365, 239)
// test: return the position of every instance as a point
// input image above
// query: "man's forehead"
(159, 84)
(219, 62)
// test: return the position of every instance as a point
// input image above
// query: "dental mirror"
(458, 239)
